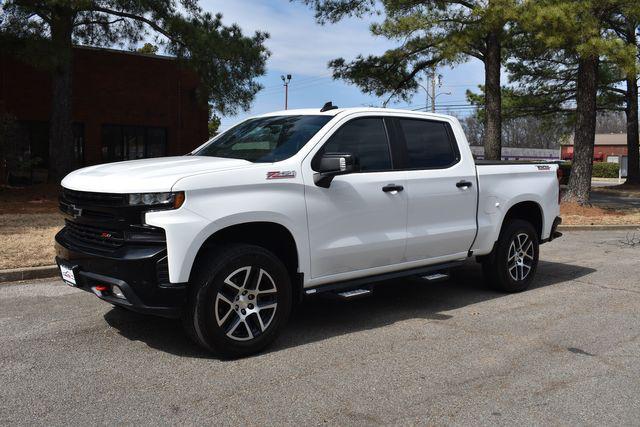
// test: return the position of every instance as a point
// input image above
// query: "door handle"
(463, 184)
(392, 187)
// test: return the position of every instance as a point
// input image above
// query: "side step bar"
(353, 294)
(435, 271)
(436, 277)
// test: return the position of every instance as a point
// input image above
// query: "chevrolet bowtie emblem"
(74, 211)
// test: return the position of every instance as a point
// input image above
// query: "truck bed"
(512, 162)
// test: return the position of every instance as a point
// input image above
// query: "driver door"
(358, 225)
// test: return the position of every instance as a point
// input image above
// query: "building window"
(78, 142)
(33, 140)
(132, 142)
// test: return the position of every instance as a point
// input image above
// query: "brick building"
(609, 147)
(125, 106)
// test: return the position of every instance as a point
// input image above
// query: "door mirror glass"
(332, 165)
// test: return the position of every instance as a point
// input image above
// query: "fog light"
(117, 292)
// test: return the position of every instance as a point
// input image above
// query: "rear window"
(428, 144)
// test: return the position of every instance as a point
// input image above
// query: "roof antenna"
(328, 106)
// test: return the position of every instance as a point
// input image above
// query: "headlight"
(168, 200)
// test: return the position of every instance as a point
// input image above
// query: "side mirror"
(331, 165)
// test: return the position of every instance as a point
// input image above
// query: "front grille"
(85, 198)
(92, 237)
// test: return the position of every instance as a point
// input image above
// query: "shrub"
(605, 170)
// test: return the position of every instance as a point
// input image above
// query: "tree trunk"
(633, 134)
(585, 133)
(62, 159)
(493, 98)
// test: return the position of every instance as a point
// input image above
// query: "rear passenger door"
(441, 222)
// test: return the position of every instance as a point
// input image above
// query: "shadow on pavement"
(321, 318)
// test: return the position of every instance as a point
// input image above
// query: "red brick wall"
(113, 88)
(600, 152)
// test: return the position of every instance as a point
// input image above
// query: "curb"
(28, 273)
(611, 227)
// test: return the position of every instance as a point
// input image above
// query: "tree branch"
(139, 18)
(77, 24)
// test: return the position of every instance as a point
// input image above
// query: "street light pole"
(285, 82)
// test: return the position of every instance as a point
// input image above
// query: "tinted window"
(428, 144)
(132, 142)
(265, 139)
(364, 138)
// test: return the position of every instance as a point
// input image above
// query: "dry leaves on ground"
(28, 239)
(575, 214)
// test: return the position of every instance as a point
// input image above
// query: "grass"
(29, 220)
(28, 239)
(574, 214)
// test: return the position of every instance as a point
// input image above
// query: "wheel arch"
(529, 211)
(271, 236)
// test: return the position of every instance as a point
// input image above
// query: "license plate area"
(68, 275)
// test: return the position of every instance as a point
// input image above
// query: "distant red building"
(608, 148)
(125, 106)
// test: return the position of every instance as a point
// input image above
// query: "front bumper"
(136, 269)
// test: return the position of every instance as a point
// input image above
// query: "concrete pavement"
(565, 352)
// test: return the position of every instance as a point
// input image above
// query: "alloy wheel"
(521, 257)
(246, 303)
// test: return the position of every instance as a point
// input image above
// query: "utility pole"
(436, 82)
(285, 82)
(433, 89)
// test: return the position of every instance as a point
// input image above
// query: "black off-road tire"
(208, 281)
(498, 268)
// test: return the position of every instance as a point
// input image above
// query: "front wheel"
(512, 264)
(239, 301)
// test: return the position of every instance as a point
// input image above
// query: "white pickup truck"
(296, 203)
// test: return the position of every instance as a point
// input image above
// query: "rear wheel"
(240, 299)
(512, 264)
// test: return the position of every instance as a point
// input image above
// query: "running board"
(436, 277)
(353, 294)
(371, 280)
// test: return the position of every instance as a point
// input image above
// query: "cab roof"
(337, 111)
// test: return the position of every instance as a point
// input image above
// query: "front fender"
(187, 231)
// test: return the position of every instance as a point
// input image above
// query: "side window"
(428, 144)
(366, 139)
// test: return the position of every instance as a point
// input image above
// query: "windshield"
(265, 139)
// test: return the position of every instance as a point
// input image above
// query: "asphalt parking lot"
(565, 352)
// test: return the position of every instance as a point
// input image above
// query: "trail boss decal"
(281, 174)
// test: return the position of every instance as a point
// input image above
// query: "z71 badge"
(544, 168)
(281, 174)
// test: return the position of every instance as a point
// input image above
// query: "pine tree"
(626, 25)
(569, 42)
(429, 33)
(227, 61)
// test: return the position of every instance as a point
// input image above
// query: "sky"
(301, 47)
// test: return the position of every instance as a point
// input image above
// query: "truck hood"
(146, 175)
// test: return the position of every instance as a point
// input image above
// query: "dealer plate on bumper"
(67, 275)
